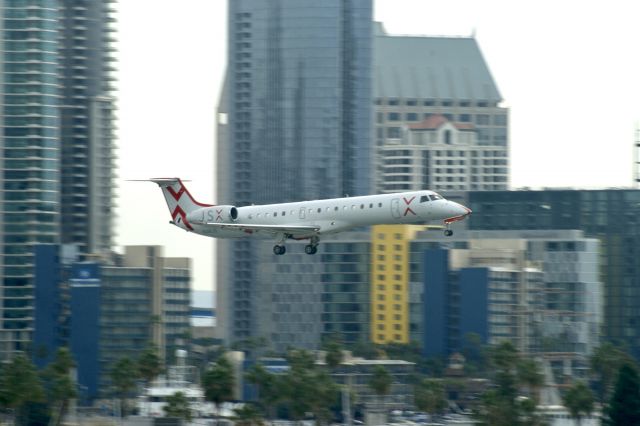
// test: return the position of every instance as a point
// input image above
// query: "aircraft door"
(395, 208)
(302, 212)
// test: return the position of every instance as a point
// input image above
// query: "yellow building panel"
(390, 282)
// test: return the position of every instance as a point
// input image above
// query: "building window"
(447, 137)
(394, 132)
(500, 120)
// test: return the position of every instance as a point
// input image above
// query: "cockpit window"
(424, 199)
(436, 197)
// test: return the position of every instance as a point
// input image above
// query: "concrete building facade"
(417, 77)
(442, 155)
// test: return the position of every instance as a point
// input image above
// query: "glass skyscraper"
(56, 143)
(294, 121)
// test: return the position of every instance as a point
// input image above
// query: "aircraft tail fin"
(179, 200)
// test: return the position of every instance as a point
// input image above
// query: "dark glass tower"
(55, 143)
(294, 122)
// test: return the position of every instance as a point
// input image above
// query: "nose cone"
(460, 210)
(456, 212)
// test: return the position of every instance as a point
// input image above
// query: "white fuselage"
(333, 215)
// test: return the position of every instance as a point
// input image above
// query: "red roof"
(435, 121)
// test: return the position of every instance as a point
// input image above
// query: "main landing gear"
(311, 248)
(448, 232)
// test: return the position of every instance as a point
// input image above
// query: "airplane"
(305, 220)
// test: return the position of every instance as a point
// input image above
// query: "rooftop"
(431, 68)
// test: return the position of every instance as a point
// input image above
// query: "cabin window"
(371, 205)
(379, 204)
(319, 209)
(292, 213)
(336, 208)
(283, 213)
(361, 206)
(424, 199)
(250, 216)
(436, 197)
(328, 209)
(258, 215)
(344, 207)
(275, 214)
(310, 211)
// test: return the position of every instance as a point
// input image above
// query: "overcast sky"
(568, 70)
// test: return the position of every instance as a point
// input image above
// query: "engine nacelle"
(214, 214)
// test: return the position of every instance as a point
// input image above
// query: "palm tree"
(20, 386)
(624, 407)
(178, 406)
(380, 382)
(579, 400)
(430, 396)
(530, 376)
(123, 375)
(218, 382)
(60, 386)
(269, 387)
(247, 415)
(605, 362)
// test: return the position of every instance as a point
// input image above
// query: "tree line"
(512, 397)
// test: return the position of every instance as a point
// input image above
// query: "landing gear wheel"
(448, 232)
(310, 249)
(279, 250)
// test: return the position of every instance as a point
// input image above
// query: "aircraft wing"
(293, 230)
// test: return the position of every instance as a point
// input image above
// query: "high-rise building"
(304, 299)
(416, 77)
(390, 282)
(294, 122)
(541, 290)
(112, 308)
(56, 142)
(609, 215)
(87, 122)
